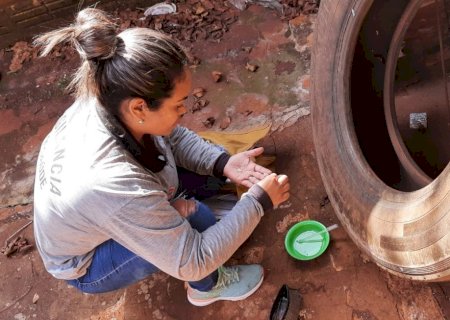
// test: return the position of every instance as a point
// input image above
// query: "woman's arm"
(192, 152)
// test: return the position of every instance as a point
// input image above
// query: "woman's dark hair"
(138, 62)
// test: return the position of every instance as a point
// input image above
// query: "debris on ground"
(22, 52)
(19, 244)
(365, 258)
(287, 9)
(194, 20)
(293, 8)
(242, 4)
(251, 67)
(225, 123)
(217, 76)
(160, 8)
(199, 105)
(198, 92)
(209, 122)
(35, 298)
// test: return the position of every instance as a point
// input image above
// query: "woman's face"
(161, 122)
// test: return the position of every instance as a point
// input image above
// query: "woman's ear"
(135, 109)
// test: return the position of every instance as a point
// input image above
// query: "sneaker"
(234, 283)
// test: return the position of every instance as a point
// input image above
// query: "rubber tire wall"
(406, 233)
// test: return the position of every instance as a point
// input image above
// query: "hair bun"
(94, 34)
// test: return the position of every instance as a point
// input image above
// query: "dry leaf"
(251, 67)
(217, 75)
(198, 92)
(35, 298)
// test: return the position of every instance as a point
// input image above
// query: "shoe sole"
(202, 303)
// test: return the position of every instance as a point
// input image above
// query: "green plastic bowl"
(314, 246)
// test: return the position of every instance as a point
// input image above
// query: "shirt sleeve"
(192, 152)
(150, 227)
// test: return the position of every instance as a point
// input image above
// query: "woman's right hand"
(185, 207)
(277, 187)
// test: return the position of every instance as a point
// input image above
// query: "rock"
(198, 92)
(251, 67)
(200, 10)
(199, 105)
(217, 76)
(225, 123)
(160, 8)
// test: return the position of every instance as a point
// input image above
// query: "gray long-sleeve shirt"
(90, 189)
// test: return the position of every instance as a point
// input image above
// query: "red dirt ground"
(341, 284)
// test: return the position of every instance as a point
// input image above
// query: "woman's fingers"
(253, 180)
(254, 152)
(282, 179)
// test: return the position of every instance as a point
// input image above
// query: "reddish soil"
(341, 284)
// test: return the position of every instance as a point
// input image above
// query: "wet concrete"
(341, 284)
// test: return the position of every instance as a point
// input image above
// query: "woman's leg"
(201, 220)
(114, 266)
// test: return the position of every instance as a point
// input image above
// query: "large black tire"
(404, 232)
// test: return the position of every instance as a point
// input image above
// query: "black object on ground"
(287, 304)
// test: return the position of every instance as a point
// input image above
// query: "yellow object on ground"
(240, 141)
(235, 142)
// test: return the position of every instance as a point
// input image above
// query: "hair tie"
(113, 50)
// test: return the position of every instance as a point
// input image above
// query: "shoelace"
(227, 275)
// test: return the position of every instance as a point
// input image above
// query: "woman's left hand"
(242, 170)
